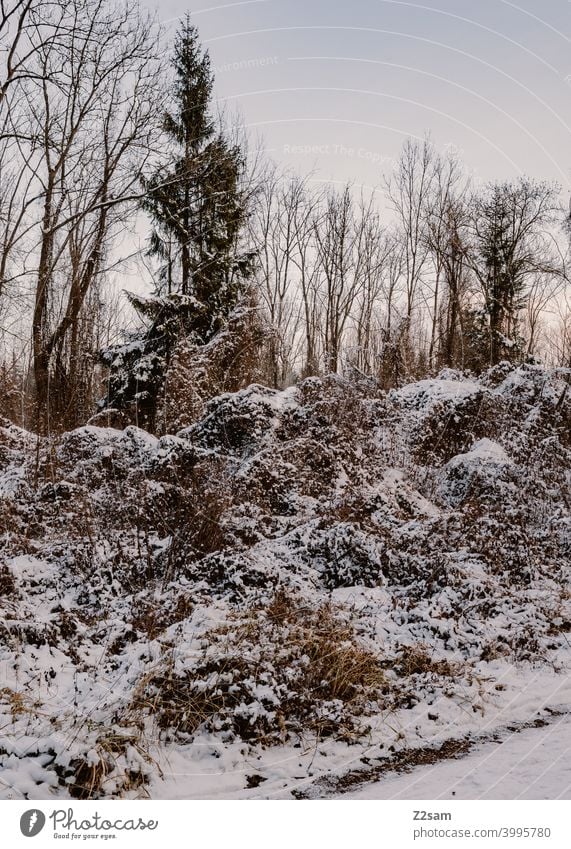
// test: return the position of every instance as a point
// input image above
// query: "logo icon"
(32, 822)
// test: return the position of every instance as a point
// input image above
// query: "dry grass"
(320, 678)
(108, 774)
(152, 620)
(17, 702)
(416, 660)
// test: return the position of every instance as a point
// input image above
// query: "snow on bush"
(294, 564)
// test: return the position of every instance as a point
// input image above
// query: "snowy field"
(532, 764)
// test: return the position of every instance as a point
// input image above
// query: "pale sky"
(338, 87)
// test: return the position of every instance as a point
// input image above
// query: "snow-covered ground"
(302, 585)
(208, 770)
(531, 764)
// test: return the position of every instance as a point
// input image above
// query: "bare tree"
(446, 219)
(23, 30)
(408, 189)
(336, 237)
(275, 224)
(374, 249)
(304, 258)
(18, 19)
(93, 113)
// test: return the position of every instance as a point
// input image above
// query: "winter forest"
(284, 494)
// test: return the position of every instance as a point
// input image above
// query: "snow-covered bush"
(266, 674)
(294, 562)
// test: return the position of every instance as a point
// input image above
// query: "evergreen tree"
(510, 248)
(194, 197)
(198, 208)
(137, 367)
(503, 284)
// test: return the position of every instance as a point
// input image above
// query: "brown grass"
(152, 620)
(308, 656)
(87, 779)
(416, 660)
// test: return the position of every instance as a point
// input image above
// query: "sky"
(336, 88)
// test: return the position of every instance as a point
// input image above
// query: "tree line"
(269, 275)
(464, 276)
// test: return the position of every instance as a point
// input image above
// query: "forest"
(107, 145)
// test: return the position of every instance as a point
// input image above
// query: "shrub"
(270, 673)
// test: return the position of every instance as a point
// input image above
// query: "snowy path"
(531, 764)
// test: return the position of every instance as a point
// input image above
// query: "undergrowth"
(267, 674)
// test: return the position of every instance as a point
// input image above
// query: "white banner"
(291, 825)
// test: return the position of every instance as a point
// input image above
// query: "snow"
(433, 391)
(530, 764)
(439, 541)
(207, 770)
(487, 451)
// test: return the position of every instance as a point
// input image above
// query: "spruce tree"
(194, 197)
(504, 286)
(197, 208)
